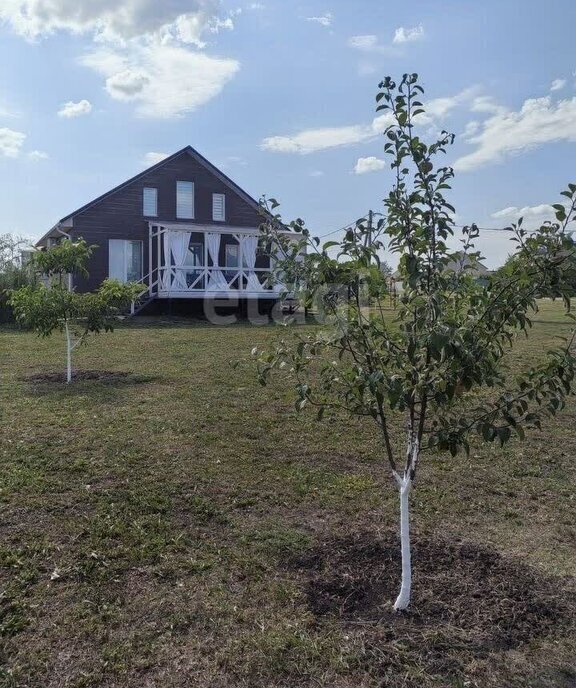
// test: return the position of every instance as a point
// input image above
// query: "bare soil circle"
(109, 376)
(468, 600)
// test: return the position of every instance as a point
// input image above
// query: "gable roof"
(461, 261)
(186, 150)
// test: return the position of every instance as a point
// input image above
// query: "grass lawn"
(182, 526)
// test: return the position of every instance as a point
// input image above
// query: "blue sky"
(281, 96)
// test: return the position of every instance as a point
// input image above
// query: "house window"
(150, 202)
(195, 259)
(185, 200)
(231, 256)
(195, 255)
(218, 207)
(125, 260)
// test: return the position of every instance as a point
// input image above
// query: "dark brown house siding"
(119, 215)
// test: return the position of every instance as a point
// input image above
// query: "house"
(182, 228)
(459, 262)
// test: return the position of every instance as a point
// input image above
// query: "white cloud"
(313, 140)
(557, 84)
(11, 142)
(127, 84)
(486, 104)
(404, 35)
(533, 215)
(369, 164)
(188, 28)
(436, 110)
(143, 51)
(322, 138)
(382, 122)
(316, 173)
(38, 155)
(439, 108)
(367, 43)
(470, 129)
(152, 158)
(72, 109)
(107, 19)
(514, 212)
(507, 132)
(162, 80)
(323, 20)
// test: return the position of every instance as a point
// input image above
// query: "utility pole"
(368, 243)
(368, 240)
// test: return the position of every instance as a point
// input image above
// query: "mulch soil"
(60, 377)
(468, 601)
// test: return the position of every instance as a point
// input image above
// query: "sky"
(281, 97)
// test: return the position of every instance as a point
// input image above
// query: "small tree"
(46, 309)
(421, 373)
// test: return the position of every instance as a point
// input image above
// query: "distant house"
(182, 228)
(460, 262)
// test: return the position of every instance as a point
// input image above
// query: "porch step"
(140, 304)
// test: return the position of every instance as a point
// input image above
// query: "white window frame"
(123, 277)
(221, 196)
(181, 186)
(155, 190)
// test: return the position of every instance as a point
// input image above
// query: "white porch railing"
(198, 279)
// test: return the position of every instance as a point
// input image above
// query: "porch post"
(159, 261)
(149, 259)
(205, 261)
(241, 262)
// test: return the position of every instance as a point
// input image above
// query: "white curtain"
(167, 271)
(249, 248)
(216, 281)
(179, 243)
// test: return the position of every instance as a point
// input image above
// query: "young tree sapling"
(423, 373)
(46, 309)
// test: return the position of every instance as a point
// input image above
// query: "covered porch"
(209, 262)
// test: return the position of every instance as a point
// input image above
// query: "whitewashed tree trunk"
(69, 348)
(403, 599)
(404, 486)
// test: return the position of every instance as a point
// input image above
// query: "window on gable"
(218, 207)
(185, 200)
(150, 202)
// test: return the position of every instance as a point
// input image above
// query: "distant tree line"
(565, 273)
(15, 272)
